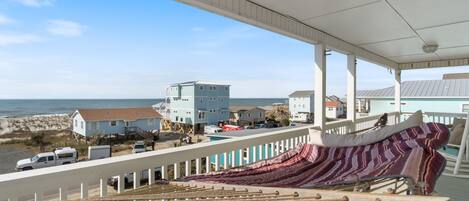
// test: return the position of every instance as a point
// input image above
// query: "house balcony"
(89, 179)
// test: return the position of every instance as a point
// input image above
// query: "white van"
(60, 156)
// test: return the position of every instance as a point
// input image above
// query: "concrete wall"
(379, 106)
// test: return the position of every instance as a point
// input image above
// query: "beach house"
(335, 109)
(444, 96)
(198, 103)
(246, 114)
(90, 122)
(301, 106)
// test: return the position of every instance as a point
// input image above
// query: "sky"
(66, 49)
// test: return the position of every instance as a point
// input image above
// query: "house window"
(226, 88)
(76, 123)
(127, 124)
(330, 108)
(465, 107)
(177, 118)
(81, 125)
(201, 87)
(113, 123)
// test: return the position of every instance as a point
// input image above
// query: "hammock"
(411, 154)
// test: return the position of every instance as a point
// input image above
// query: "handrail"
(17, 184)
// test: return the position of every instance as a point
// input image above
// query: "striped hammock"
(411, 153)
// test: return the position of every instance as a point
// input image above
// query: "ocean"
(18, 108)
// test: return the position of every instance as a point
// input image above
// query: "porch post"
(397, 90)
(351, 89)
(320, 86)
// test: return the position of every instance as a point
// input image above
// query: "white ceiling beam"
(254, 14)
(434, 64)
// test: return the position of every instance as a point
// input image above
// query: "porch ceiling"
(388, 31)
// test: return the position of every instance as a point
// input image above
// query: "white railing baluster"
(151, 176)
(272, 149)
(248, 155)
(266, 151)
(217, 162)
(225, 160)
(261, 152)
(137, 177)
(177, 172)
(63, 193)
(254, 153)
(102, 189)
(233, 158)
(198, 166)
(208, 165)
(164, 172)
(84, 190)
(241, 157)
(188, 167)
(38, 196)
(278, 144)
(120, 183)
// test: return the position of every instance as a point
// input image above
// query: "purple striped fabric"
(412, 153)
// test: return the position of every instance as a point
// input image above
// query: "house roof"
(332, 103)
(237, 108)
(303, 93)
(452, 76)
(457, 88)
(198, 82)
(127, 114)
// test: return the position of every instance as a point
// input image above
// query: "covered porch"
(387, 33)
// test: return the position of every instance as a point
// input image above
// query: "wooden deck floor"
(455, 188)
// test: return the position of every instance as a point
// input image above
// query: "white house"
(89, 122)
(335, 109)
(301, 106)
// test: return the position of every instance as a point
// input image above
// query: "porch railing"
(223, 154)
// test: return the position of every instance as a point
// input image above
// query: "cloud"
(9, 39)
(5, 20)
(35, 3)
(65, 28)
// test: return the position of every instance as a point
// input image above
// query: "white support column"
(151, 176)
(198, 166)
(62, 194)
(83, 190)
(102, 187)
(397, 90)
(137, 176)
(187, 166)
(177, 172)
(351, 89)
(320, 86)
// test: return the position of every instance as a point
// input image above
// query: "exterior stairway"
(134, 130)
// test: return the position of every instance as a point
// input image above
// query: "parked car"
(232, 128)
(129, 178)
(99, 152)
(210, 129)
(59, 156)
(139, 147)
(260, 126)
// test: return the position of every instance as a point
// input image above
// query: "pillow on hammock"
(336, 140)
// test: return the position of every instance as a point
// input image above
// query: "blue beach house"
(444, 96)
(90, 122)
